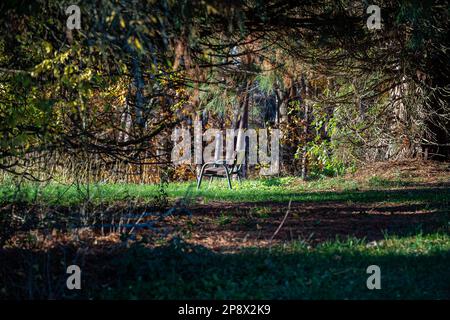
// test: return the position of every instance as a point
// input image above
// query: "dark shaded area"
(369, 215)
(322, 223)
(182, 271)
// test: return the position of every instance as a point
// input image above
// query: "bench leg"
(229, 179)
(200, 177)
(199, 181)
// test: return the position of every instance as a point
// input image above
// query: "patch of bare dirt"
(240, 225)
(231, 226)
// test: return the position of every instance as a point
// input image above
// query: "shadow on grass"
(320, 223)
(183, 271)
(439, 194)
(321, 216)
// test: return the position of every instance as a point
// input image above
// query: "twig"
(281, 224)
(137, 222)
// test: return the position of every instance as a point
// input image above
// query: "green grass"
(274, 189)
(411, 268)
(414, 267)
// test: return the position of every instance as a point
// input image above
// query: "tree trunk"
(304, 171)
(305, 151)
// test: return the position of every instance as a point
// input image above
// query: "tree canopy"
(115, 88)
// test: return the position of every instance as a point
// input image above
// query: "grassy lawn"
(411, 268)
(274, 190)
(337, 228)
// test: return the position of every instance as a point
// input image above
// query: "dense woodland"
(104, 99)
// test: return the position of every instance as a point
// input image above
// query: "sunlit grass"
(274, 189)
